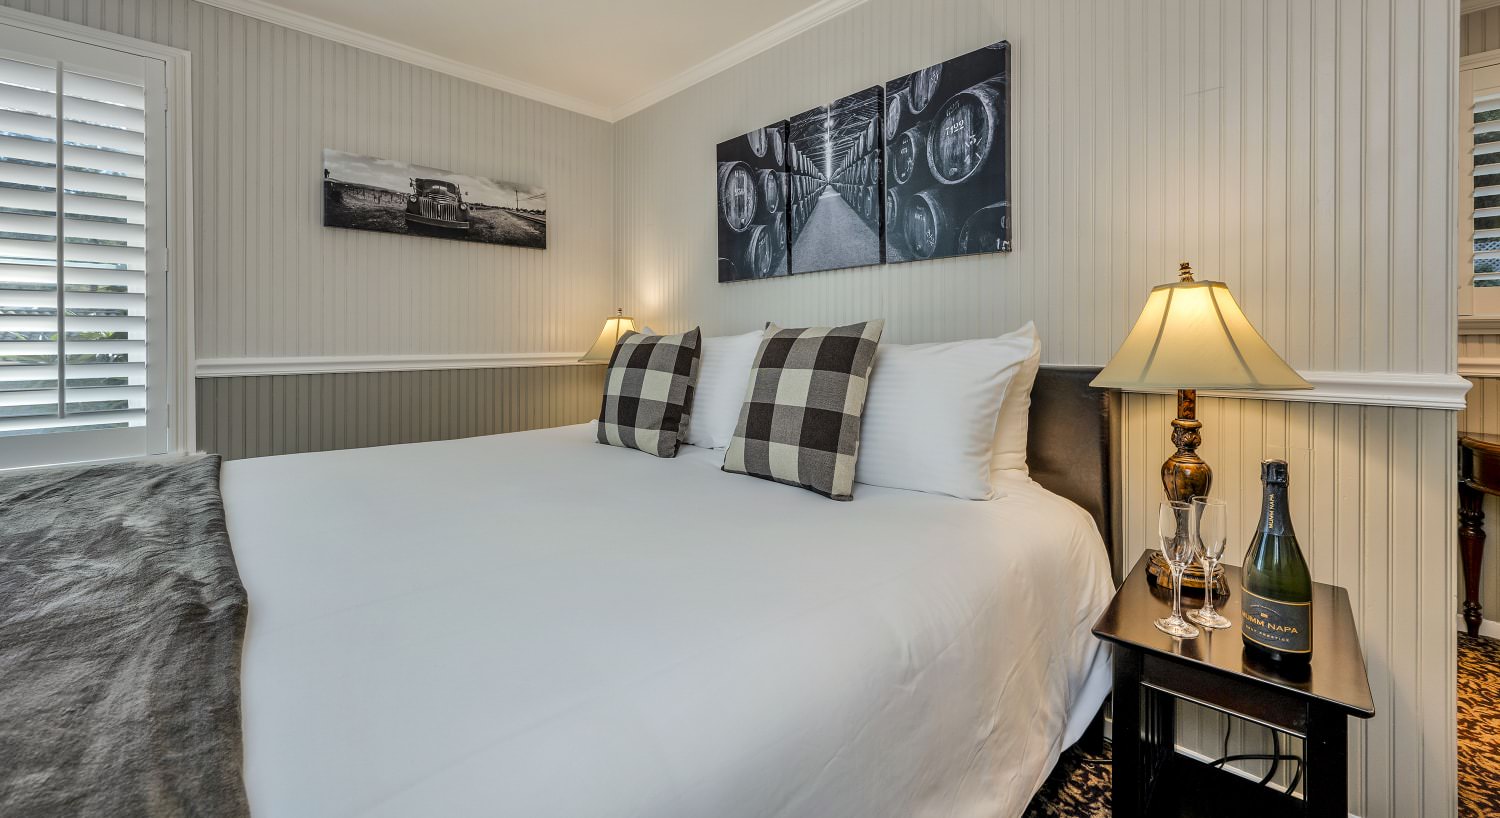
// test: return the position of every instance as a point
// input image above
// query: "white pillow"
(1009, 451)
(930, 417)
(723, 376)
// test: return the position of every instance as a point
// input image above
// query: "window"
(1479, 185)
(84, 361)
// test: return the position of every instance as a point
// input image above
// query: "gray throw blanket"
(121, 621)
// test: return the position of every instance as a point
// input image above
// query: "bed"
(533, 624)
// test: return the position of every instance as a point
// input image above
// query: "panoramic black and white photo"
(947, 148)
(752, 185)
(835, 184)
(390, 196)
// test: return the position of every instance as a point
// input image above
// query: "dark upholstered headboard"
(1073, 445)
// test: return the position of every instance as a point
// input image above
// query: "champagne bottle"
(1276, 606)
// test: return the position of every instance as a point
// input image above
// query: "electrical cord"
(1275, 757)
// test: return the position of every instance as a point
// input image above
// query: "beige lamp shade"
(1192, 335)
(614, 326)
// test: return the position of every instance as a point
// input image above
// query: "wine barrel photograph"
(836, 217)
(947, 168)
(753, 195)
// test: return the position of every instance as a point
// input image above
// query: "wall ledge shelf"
(1479, 325)
(322, 365)
(1416, 390)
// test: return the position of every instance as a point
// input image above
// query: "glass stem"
(1176, 594)
(1208, 587)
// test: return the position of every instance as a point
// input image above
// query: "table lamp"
(1192, 335)
(614, 326)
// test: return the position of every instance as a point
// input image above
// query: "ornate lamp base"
(1160, 575)
(1185, 476)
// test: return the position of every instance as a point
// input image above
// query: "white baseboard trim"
(1487, 627)
(320, 365)
(1417, 390)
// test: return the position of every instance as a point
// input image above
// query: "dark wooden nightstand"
(1152, 669)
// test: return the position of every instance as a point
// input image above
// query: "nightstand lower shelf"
(1188, 788)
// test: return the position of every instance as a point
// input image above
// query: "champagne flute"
(1211, 519)
(1174, 529)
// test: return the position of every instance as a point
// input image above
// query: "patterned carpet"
(1079, 786)
(1478, 726)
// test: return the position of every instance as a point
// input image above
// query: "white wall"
(272, 281)
(1300, 151)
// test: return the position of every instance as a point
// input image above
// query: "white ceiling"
(606, 58)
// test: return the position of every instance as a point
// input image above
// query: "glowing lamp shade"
(1192, 335)
(614, 326)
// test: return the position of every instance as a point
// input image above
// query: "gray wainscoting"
(254, 416)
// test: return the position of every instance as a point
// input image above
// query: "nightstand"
(1152, 670)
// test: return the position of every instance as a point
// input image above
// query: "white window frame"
(179, 405)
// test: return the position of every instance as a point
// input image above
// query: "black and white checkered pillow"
(800, 422)
(648, 392)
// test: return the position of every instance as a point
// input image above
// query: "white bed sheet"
(537, 625)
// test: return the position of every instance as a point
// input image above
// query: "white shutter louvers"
(73, 328)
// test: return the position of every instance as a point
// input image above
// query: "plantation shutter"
(82, 297)
(1479, 160)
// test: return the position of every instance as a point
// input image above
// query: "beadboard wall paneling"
(1479, 31)
(1372, 499)
(1298, 151)
(283, 414)
(272, 281)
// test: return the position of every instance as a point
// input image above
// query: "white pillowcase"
(1009, 450)
(930, 417)
(723, 376)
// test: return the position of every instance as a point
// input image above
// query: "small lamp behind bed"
(614, 326)
(1192, 335)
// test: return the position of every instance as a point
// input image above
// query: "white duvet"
(534, 624)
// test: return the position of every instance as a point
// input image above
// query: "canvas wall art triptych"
(918, 169)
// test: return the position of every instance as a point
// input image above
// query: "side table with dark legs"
(1153, 671)
(1478, 475)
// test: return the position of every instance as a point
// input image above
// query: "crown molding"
(1469, 6)
(318, 27)
(745, 49)
(813, 15)
(324, 365)
(1415, 390)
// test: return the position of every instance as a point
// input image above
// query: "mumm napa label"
(1285, 627)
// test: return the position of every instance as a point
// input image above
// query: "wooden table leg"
(1326, 779)
(1126, 798)
(1471, 545)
